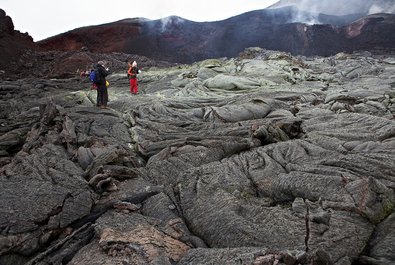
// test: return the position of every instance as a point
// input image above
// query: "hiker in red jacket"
(132, 74)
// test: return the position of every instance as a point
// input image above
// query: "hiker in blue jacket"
(102, 92)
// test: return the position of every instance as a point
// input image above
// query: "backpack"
(134, 71)
(94, 76)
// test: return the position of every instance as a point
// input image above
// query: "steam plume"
(335, 7)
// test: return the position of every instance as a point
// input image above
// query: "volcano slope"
(262, 159)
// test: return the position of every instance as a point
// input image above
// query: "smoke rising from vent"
(308, 10)
(167, 21)
(389, 8)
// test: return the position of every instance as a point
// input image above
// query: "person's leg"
(100, 100)
(136, 87)
(105, 97)
(131, 85)
(98, 103)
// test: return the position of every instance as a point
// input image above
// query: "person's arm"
(106, 71)
(133, 72)
(102, 71)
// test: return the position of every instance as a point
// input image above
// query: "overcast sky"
(46, 18)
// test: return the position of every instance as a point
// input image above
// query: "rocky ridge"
(21, 58)
(265, 158)
(178, 40)
(12, 45)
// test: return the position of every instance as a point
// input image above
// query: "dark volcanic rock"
(12, 45)
(262, 159)
(21, 58)
(6, 25)
(362, 32)
(178, 40)
(265, 158)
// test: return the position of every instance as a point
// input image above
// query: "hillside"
(265, 158)
(12, 44)
(175, 39)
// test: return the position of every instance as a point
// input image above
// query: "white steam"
(168, 21)
(335, 7)
(385, 8)
(310, 9)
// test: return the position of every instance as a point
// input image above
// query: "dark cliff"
(12, 42)
(178, 40)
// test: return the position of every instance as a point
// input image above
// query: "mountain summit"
(176, 39)
(337, 7)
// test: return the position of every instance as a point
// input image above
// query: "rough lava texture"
(176, 40)
(179, 40)
(266, 158)
(12, 45)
